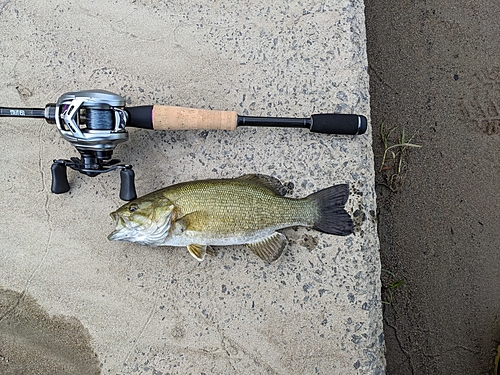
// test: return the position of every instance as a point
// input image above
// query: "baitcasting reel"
(94, 122)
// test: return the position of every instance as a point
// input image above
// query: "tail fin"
(332, 218)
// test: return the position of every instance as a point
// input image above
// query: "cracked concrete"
(157, 310)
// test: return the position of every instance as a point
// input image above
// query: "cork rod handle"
(180, 118)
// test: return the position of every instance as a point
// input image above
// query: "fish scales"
(245, 210)
(236, 208)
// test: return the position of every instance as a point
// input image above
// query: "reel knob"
(59, 178)
(127, 184)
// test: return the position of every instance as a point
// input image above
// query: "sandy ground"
(435, 72)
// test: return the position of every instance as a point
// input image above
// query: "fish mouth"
(152, 234)
(122, 231)
(117, 235)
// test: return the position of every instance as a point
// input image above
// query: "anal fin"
(211, 251)
(269, 248)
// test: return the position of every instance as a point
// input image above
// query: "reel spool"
(94, 122)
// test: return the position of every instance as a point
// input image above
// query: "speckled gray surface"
(158, 310)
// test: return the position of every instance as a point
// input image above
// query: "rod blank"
(22, 112)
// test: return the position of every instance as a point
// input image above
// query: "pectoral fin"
(269, 248)
(198, 251)
(194, 221)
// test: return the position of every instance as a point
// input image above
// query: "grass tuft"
(391, 169)
(388, 290)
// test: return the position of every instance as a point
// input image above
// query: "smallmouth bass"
(245, 210)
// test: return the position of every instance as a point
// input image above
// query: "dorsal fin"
(269, 182)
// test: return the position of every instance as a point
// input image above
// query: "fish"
(247, 210)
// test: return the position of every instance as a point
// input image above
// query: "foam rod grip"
(338, 124)
(181, 118)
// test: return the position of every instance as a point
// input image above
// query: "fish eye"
(133, 207)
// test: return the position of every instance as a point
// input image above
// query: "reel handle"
(60, 183)
(159, 117)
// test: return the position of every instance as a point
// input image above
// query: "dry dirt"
(435, 72)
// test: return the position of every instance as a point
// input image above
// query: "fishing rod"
(94, 121)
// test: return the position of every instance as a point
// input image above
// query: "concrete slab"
(147, 310)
